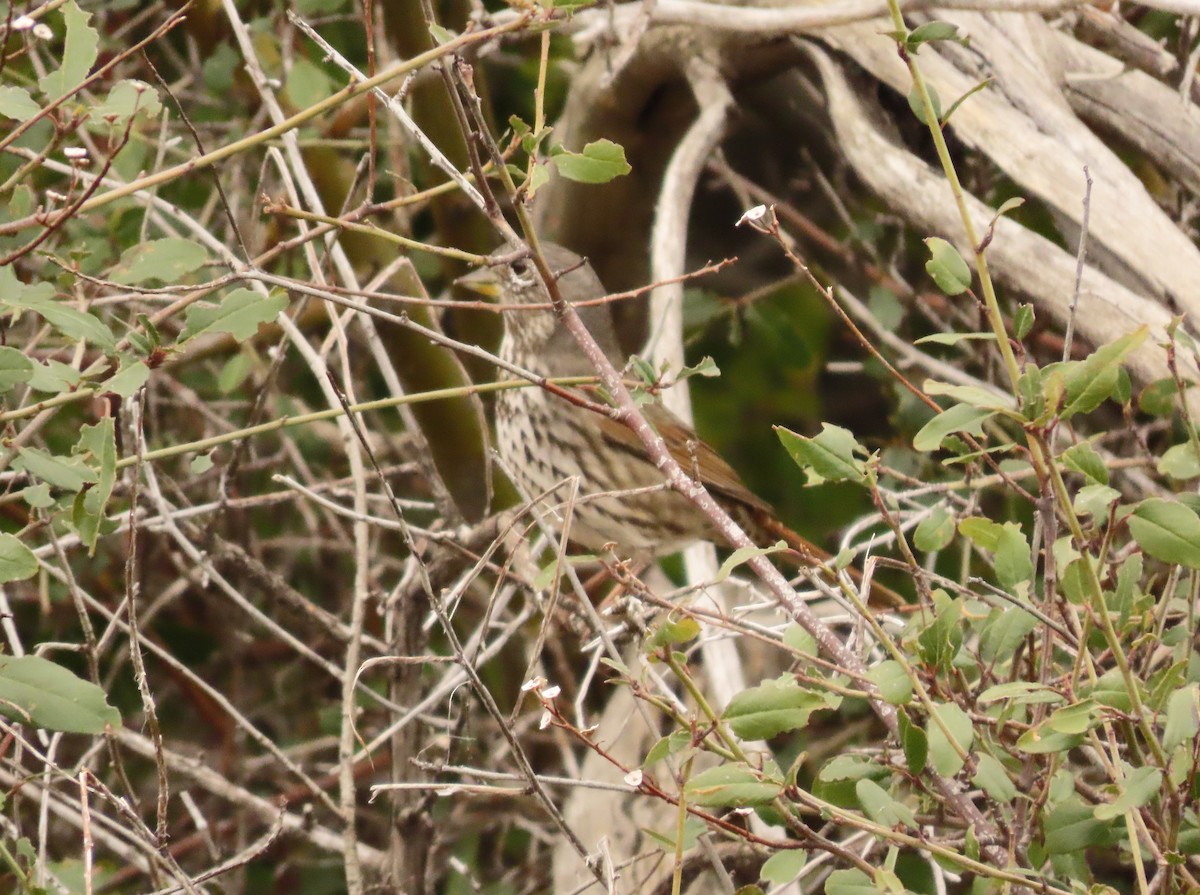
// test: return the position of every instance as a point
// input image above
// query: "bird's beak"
(482, 282)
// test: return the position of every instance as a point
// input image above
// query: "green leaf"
(731, 786)
(935, 531)
(550, 572)
(743, 555)
(783, 866)
(37, 496)
(1083, 459)
(235, 372)
(831, 455)
(125, 100)
(1167, 530)
(918, 107)
(600, 162)
(1003, 631)
(54, 377)
(1032, 389)
(164, 260)
(1075, 580)
(1158, 398)
(222, 65)
(674, 631)
(78, 55)
(1129, 576)
(440, 35)
(201, 463)
(16, 103)
(36, 690)
(942, 754)
(17, 561)
(306, 84)
(939, 642)
(931, 31)
(1078, 718)
(1123, 392)
(1182, 721)
(1168, 677)
(1140, 787)
(914, 742)
(1090, 382)
(797, 639)
(14, 368)
(668, 745)
(240, 314)
(70, 474)
(1071, 827)
(954, 338)
(947, 267)
(1013, 562)
(71, 322)
(968, 394)
(99, 442)
(1041, 740)
(959, 418)
(1007, 544)
(884, 307)
(982, 532)
(1094, 500)
(22, 201)
(1005, 207)
(850, 767)
(1180, 462)
(895, 686)
(130, 378)
(990, 776)
(1020, 692)
(773, 707)
(881, 807)
(539, 176)
(1022, 321)
(850, 882)
(707, 368)
(1112, 691)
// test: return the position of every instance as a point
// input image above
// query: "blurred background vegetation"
(187, 192)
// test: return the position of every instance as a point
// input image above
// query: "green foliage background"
(217, 634)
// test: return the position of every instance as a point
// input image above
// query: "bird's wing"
(697, 458)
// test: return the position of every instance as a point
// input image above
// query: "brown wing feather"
(695, 456)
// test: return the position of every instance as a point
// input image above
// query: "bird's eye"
(520, 267)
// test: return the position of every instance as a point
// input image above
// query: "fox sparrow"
(545, 440)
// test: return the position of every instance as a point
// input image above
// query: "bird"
(545, 440)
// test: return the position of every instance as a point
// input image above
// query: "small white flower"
(753, 216)
(75, 152)
(545, 720)
(551, 692)
(534, 683)
(22, 23)
(634, 777)
(42, 31)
